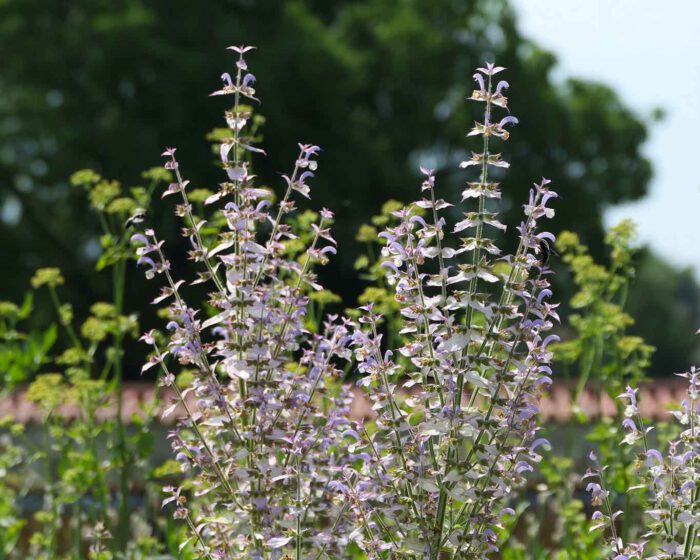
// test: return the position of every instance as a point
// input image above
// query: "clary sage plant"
(262, 436)
(276, 466)
(441, 463)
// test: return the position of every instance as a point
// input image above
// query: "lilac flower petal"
(547, 235)
(510, 119)
(501, 86)
(226, 77)
(139, 238)
(656, 455)
(305, 175)
(538, 442)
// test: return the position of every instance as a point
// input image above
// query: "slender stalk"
(51, 484)
(299, 535)
(691, 530)
(489, 412)
(77, 536)
(195, 428)
(302, 415)
(119, 277)
(66, 324)
(278, 220)
(102, 488)
(288, 310)
(504, 300)
(198, 238)
(198, 536)
(203, 357)
(426, 323)
(341, 514)
(394, 408)
(476, 255)
(476, 258)
(608, 506)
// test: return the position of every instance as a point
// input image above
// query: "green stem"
(288, 310)
(198, 536)
(66, 325)
(299, 536)
(691, 531)
(195, 232)
(103, 489)
(77, 537)
(119, 278)
(278, 220)
(51, 484)
(476, 257)
(321, 552)
(394, 408)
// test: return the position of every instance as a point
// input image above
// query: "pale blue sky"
(648, 51)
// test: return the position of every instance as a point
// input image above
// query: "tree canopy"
(379, 85)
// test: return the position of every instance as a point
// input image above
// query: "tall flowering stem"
(265, 420)
(437, 472)
(670, 479)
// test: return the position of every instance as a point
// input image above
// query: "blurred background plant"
(79, 475)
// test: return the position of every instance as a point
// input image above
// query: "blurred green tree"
(666, 305)
(379, 84)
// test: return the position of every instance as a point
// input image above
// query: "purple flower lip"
(226, 78)
(508, 120)
(546, 235)
(418, 220)
(304, 176)
(501, 86)
(146, 260)
(309, 150)
(549, 339)
(390, 265)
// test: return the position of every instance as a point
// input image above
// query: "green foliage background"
(379, 84)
